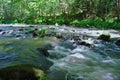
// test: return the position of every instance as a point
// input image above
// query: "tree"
(117, 3)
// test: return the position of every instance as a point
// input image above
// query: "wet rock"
(104, 37)
(85, 44)
(26, 32)
(73, 30)
(3, 33)
(31, 26)
(49, 35)
(22, 72)
(59, 36)
(11, 26)
(18, 35)
(118, 42)
(21, 29)
(77, 38)
(97, 33)
(51, 27)
(35, 33)
(1, 30)
(43, 51)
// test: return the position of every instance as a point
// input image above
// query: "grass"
(98, 23)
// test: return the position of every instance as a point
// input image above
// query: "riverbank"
(98, 23)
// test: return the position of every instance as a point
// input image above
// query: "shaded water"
(66, 61)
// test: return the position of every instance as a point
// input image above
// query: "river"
(67, 59)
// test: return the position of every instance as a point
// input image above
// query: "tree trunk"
(118, 10)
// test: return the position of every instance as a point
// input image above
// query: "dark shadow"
(18, 73)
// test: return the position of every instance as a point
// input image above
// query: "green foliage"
(84, 13)
(53, 32)
(75, 23)
(96, 24)
(42, 33)
(25, 72)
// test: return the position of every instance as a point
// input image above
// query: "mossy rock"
(22, 72)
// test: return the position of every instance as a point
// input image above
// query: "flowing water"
(81, 63)
(66, 60)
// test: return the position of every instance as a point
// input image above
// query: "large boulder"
(104, 37)
(22, 72)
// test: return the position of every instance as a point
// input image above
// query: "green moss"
(22, 72)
